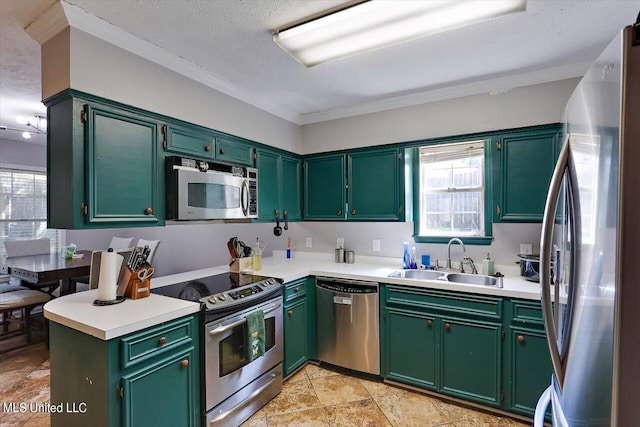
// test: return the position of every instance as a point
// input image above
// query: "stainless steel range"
(235, 387)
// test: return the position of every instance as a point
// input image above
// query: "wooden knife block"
(238, 265)
(135, 289)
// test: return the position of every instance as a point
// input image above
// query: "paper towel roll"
(110, 263)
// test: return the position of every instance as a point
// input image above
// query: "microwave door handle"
(244, 198)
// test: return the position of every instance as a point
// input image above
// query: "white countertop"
(107, 322)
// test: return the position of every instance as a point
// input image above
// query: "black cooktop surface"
(194, 290)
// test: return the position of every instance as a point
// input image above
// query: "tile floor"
(319, 397)
(312, 397)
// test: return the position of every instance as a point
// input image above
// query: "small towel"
(255, 334)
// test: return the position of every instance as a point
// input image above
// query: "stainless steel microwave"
(202, 190)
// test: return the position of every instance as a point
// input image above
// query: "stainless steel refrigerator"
(590, 248)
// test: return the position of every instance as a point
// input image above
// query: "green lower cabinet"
(410, 348)
(148, 377)
(299, 323)
(471, 360)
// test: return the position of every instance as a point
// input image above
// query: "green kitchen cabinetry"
(529, 362)
(279, 185)
(526, 162)
(299, 324)
(196, 141)
(102, 165)
(365, 185)
(443, 341)
(148, 377)
(189, 140)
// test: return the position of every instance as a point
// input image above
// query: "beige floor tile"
(466, 417)
(37, 421)
(259, 419)
(301, 375)
(378, 388)
(335, 389)
(314, 371)
(293, 397)
(363, 413)
(406, 409)
(306, 418)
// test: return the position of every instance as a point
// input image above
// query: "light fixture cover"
(379, 23)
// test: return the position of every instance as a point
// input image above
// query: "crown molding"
(62, 14)
(493, 86)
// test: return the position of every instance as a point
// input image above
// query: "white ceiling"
(231, 41)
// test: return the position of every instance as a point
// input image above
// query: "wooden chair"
(24, 301)
(120, 243)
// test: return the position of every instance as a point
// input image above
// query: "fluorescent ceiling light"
(379, 23)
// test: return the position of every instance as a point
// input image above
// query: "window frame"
(488, 193)
(59, 241)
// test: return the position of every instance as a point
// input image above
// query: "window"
(452, 194)
(23, 207)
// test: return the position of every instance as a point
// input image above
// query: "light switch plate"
(309, 242)
(340, 243)
(376, 245)
(526, 248)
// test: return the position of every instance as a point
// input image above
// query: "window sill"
(443, 239)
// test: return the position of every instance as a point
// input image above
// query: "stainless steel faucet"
(456, 240)
(469, 261)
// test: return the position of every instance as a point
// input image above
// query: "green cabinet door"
(295, 335)
(470, 363)
(189, 140)
(375, 186)
(410, 348)
(268, 164)
(121, 168)
(527, 160)
(324, 187)
(530, 369)
(154, 387)
(234, 150)
(290, 187)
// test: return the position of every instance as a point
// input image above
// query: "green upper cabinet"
(188, 140)
(231, 149)
(526, 163)
(279, 185)
(121, 167)
(359, 186)
(324, 187)
(375, 185)
(103, 165)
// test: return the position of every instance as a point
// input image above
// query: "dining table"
(48, 270)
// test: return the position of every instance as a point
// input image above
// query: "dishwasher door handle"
(346, 281)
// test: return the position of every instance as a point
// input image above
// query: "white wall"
(22, 154)
(526, 106)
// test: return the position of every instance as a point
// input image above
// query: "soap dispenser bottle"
(406, 257)
(487, 266)
(413, 264)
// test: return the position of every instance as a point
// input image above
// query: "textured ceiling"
(231, 39)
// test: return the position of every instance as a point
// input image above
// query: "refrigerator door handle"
(541, 407)
(546, 247)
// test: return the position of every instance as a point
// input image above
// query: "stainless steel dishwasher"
(348, 324)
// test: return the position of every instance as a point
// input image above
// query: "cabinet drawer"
(444, 302)
(293, 290)
(233, 150)
(141, 346)
(527, 313)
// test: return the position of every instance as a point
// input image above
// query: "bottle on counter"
(487, 266)
(413, 263)
(406, 257)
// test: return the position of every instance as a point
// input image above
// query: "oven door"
(227, 365)
(211, 195)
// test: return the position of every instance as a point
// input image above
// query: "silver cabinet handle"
(546, 246)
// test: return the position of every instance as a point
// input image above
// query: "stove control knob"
(212, 299)
(222, 297)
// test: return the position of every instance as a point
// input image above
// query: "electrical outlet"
(376, 245)
(340, 242)
(309, 242)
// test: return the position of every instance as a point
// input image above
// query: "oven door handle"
(232, 325)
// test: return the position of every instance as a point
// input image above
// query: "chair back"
(120, 243)
(27, 247)
(153, 246)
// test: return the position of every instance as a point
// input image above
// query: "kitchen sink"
(418, 274)
(473, 279)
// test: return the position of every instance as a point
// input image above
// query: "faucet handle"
(462, 266)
